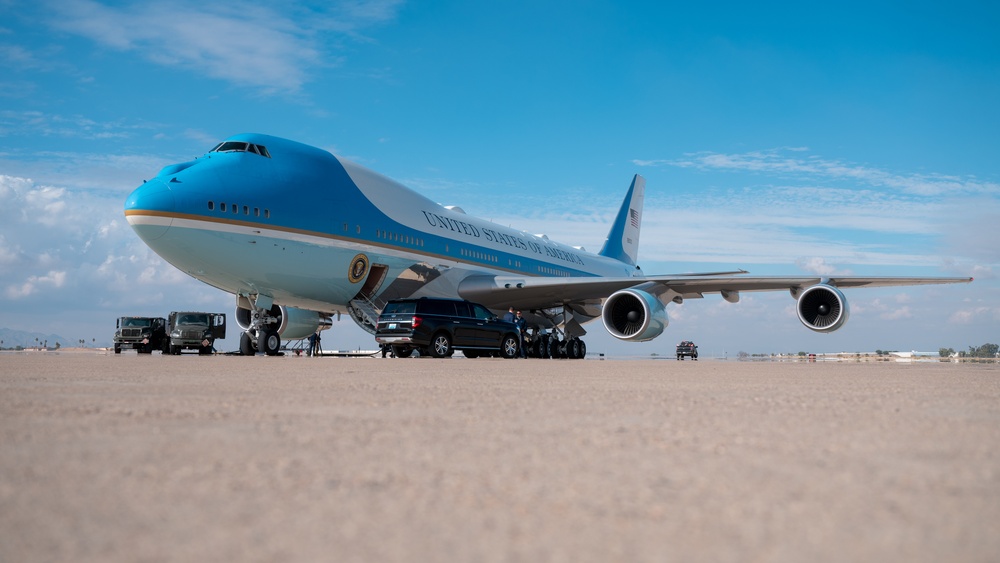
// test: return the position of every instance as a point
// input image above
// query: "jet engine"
(292, 323)
(822, 308)
(632, 314)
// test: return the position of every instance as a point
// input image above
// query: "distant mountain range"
(14, 338)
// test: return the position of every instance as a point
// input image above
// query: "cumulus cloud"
(58, 244)
(971, 315)
(51, 280)
(8, 252)
(820, 267)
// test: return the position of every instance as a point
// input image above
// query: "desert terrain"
(160, 458)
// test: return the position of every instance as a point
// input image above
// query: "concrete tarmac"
(161, 458)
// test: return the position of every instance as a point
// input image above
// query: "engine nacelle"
(822, 308)
(292, 323)
(632, 314)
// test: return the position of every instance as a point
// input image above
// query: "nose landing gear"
(261, 333)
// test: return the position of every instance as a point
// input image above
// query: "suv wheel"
(509, 346)
(441, 345)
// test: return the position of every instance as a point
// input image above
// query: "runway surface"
(127, 458)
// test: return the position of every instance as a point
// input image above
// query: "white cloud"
(776, 162)
(820, 267)
(51, 280)
(8, 253)
(57, 244)
(970, 315)
(45, 205)
(245, 43)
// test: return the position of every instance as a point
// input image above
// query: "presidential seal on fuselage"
(358, 269)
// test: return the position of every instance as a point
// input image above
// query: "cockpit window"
(239, 146)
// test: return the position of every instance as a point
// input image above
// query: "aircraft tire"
(270, 340)
(246, 345)
(573, 349)
(542, 346)
(555, 350)
(582, 350)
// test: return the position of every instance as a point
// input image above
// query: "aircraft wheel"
(246, 345)
(582, 350)
(555, 348)
(470, 354)
(543, 346)
(441, 345)
(573, 349)
(271, 342)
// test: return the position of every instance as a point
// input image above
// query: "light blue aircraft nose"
(149, 209)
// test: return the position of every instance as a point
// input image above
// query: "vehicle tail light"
(416, 321)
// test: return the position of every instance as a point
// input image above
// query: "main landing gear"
(550, 346)
(557, 344)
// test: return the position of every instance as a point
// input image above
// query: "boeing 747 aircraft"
(299, 235)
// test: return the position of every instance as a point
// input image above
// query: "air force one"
(299, 236)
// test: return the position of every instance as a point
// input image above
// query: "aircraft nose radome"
(149, 209)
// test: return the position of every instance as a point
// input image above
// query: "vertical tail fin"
(623, 239)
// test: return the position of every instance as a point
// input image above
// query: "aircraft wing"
(543, 292)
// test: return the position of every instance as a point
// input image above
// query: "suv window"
(462, 309)
(436, 307)
(400, 308)
(481, 313)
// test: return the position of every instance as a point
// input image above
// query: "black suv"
(687, 348)
(438, 327)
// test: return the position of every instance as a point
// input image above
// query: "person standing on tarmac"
(521, 326)
(509, 315)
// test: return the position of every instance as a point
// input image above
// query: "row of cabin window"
(479, 255)
(396, 237)
(236, 209)
(553, 271)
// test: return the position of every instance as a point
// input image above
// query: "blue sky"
(782, 138)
